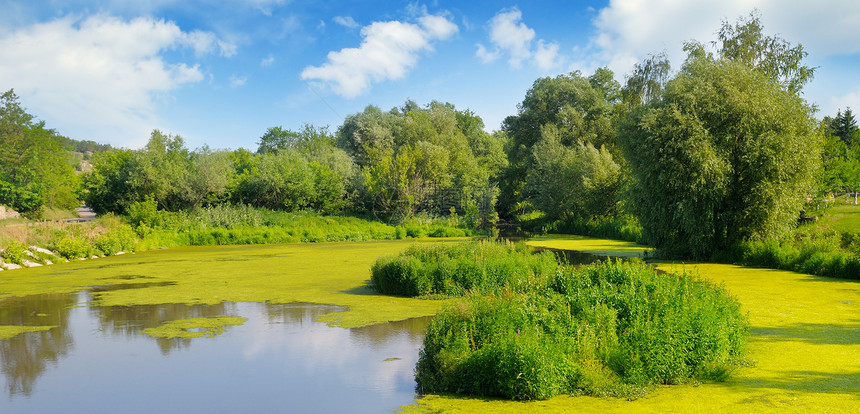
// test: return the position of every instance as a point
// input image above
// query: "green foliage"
(224, 224)
(455, 269)
(822, 255)
(725, 156)
(109, 186)
(34, 165)
(71, 247)
(145, 214)
(499, 347)
(118, 239)
(428, 160)
(14, 252)
(772, 56)
(573, 182)
(621, 227)
(648, 79)
(562, 148)
(19, 199)
(310, 139)
(605, 329)
(287, 181)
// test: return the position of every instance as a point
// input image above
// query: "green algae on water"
(11, 331)
(194, 327)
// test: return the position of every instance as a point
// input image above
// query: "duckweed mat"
(326, 273)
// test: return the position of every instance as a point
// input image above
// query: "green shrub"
(73, 248)
(606, 329)
(811, 253)
(118, 239)
(13, 252)
(453, 269)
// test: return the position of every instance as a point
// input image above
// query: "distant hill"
(85, 147)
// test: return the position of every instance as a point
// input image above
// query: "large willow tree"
(727, 153)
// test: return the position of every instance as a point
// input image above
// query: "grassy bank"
(146, 228)
(829, 247)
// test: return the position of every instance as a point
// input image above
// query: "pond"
(98, 359)
(345, 356)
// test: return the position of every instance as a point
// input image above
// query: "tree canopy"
(35, 168)
(727, 153)
(564, 158)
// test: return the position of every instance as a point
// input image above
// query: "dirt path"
(85, 214)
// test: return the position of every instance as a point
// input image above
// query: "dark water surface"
(97, 360)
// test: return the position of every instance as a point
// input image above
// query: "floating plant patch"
(194, 327)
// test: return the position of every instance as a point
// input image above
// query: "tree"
(424, 159)
(841, 156)
(35, 168)
(843, 126)
(108, 187)
(725, 154)
(309, 139)
(573, 182)
(772, 56)
(560, 120)
(647, 80)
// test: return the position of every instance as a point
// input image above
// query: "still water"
(98, 360)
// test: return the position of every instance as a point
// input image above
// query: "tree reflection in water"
(280, 352)
(25, 357)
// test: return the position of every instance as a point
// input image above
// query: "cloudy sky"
(113, 70)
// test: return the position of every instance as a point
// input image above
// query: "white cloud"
(512, 36)
(508, 35)
(236, 81)
(485, 55)
(388, 51)
(98, 78)
(347, 21)
(841, 102)
(629, 30)
(546, 56)
(438, 27)
(267, 61)
(266, 6)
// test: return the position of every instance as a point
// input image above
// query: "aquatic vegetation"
(11, 331)
(605, 329)
(454, 270)
(803, 345)
(602, 247)
(329, 273)
(194, 327)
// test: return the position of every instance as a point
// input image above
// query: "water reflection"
(280, 359)
(25, 357)
(133, 320)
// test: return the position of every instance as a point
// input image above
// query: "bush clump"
(71, 248)
(118, 239)
(14, 252)
(605, 329)
(454, 269)
(831, 255)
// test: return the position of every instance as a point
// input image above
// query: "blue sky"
(221, 73)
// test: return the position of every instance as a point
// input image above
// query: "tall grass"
(606, 329)
(832, 255)
(455, 269)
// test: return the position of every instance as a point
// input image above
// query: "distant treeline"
(695, 161)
